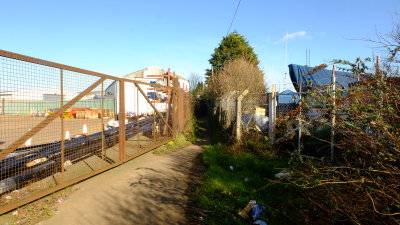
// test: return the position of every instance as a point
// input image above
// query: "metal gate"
(61, 124)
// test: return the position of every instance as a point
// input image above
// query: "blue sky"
(118, 37)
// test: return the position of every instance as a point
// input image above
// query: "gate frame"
(102, 77)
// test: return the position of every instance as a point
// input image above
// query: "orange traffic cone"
(67, 134)
(85, 128)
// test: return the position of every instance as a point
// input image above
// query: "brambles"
(361, 184)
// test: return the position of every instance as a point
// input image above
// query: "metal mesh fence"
(225, 109)
(315, 120)
(62, 124)
(254, 112)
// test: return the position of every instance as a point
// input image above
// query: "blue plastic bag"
(256, 211)
(260, 222)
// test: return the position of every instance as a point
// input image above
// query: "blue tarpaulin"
(318, 79)
(288, 97)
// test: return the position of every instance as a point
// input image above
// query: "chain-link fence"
(248, 111)
(254, 112)
(284, 116)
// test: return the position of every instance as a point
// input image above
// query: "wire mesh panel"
(52, 127)
(315, 120)
(62, 124)
(27, 90)
(147, 117)
(254, 113)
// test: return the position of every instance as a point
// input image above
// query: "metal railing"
(61, 124)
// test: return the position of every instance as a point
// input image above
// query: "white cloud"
(294, 35)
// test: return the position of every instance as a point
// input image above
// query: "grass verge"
(233, 179)
(179, 142)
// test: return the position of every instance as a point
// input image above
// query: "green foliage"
(233, 46)
(179, 142)
(197, 90)
(256, 144)
(227, 191)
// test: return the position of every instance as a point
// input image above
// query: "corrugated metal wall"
(25, 108)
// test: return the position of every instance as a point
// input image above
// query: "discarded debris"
(8, 197)
(21, 221)
(246, 212)
(257, 211)
(253, 213)
(282, 175)
(231, 167)
(260, 222)
(67, 163)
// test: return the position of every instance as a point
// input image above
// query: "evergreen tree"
(231, 47)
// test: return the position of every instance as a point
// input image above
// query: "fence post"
(225, 110)
(181, 110)
(239, 114)
(299, 121)
(220, 110)
(175, 100)
(62, 148)
(121, 118)
(272, 114)
(333, 114)
(229, 109)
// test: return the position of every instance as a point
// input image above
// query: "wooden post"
(121, 118)
(239, 114)
(272, 114)
(333, 113)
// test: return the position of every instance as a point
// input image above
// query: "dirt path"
(152, 189)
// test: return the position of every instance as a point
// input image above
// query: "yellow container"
(66, 114)
(260, 111)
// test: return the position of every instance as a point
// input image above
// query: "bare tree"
(237, 75)
(194, 80)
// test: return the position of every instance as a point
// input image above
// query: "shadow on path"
(154, 189)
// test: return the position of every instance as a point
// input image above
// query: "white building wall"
(135, 102)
